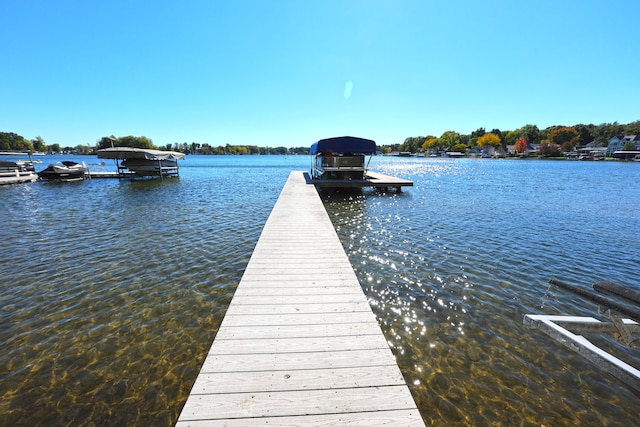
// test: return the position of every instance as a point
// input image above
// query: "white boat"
(64, 171)
(16, 172)
(144, 162)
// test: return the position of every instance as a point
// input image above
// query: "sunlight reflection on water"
(451, 266)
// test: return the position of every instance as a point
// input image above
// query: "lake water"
(112, 291)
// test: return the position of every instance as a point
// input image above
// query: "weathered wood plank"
(296, 319)
(310, 379)
(271, 290)
(295, 299)
(294, 331)
(289, 282)
(288, 403)
(236, 309)
(299, 345)
(309, 360)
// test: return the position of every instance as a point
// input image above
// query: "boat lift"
(565, 329)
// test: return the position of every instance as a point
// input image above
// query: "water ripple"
(451, 268)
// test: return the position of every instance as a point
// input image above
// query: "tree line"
(10, 141)
(194, 147)
(553, 140)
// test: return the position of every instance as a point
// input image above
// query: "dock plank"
(309, 379)
(258, 362)
(293, 331)
(299, 344)
(297, 402)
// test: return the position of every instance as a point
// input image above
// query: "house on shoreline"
(617, 142)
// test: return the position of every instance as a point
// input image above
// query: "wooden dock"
(299, 344)
(372, 179)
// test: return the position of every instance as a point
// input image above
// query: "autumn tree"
(489, 139)
(430, 143)
(549, 149)
(521, 145)
(566, 137)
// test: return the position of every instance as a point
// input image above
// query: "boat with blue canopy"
(341, 158)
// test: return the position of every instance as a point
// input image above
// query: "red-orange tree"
(521, 145)
(566, 137)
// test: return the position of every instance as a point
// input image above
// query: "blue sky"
(290, 72)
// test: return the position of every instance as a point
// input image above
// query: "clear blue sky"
(290, 72)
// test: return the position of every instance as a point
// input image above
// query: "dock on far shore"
(299, 344)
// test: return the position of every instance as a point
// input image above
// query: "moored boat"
(341, 158)
(339, 163)
(64, 171)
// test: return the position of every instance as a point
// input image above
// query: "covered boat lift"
(141, 162)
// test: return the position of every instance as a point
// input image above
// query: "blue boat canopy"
(344, 144)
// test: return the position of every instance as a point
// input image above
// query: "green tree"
(10, 141)
(449, 139)
(412, 144)
(512, 137)
(628, 146)
(605, 131)
(106, 142)
(531, 133)
(632, 128)
(38, 144)
(585, 133)
(125, 141)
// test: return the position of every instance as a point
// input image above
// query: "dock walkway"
(299, 344)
